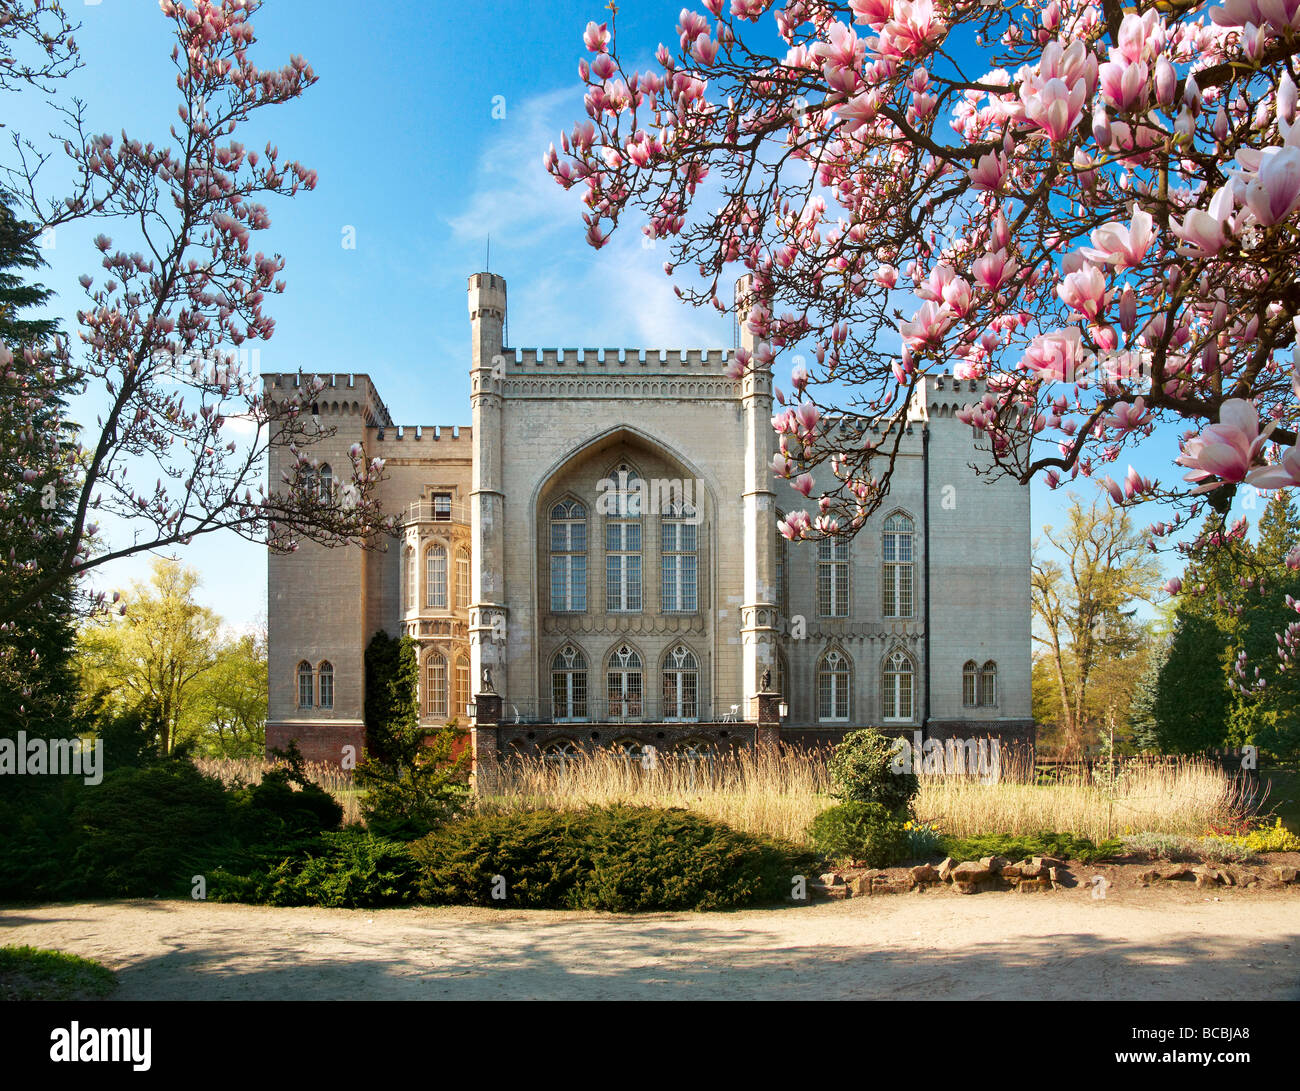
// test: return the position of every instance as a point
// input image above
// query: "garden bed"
(1270, 871)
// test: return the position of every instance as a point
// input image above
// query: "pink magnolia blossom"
(927, 326)
(1283, 475)
(1056, 107)
(1174, 586)
(1204, 233)
(1084, 291)
(1226, 450)
(596, 37)
(1056, 356)
(1124, 247)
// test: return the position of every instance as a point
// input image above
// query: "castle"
(595, 561)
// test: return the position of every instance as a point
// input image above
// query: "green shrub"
(1066, 846)
(616, 858)
(1172, 846)
(145, 832)
(408, 798)
(862, 770)
(865, 832)
(347, 869)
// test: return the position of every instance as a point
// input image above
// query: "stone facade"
(602, 544)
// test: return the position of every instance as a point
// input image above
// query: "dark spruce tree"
(37, 487)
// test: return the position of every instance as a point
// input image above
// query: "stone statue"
(487, 680)
(765, 686)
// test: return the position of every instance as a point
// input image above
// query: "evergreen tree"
(1142, 707)
(1192, 701)
(37, 684)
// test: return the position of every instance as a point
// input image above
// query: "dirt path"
(1169, 944)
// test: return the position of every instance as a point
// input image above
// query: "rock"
(970, 872)
(1034, 884)
(831, 878)
(1047, 861)
(1051, 874)
(860, 887)
(1151, 875)
(997, 863)
(1175, 871)
(1030, 870)
(826, 891)
(945, 869)
(1012, 871)
(924, 873)
(1285, 874)
(961, 887)
(1206, 876)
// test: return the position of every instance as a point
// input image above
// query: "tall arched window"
(325, 479)
(678, 541)
(681, 685)
(896, 690)
(568, 557)
(782, 561)
(989, 684)
(326, 684)
(305, 686)
(435, 690)
(623, 683)
(833, 684)
(898, 566)
(970, 684)
(462, 686)
(833, 577)
(569, 684)
(435, 576)
(463, 584)
(410, 578)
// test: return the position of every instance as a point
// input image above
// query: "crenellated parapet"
(343, 394)
(588, 361)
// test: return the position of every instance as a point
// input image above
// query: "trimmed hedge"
(618, 858)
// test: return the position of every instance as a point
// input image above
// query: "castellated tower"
(489, 618)
(318, 599)
(980, 551)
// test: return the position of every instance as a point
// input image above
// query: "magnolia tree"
(1093, 209)
(171, 314)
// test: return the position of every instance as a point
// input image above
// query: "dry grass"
(236, 771)
(1177, 795)
(750, 790)
(779, 795)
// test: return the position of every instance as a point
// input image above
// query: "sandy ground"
(1168, 944)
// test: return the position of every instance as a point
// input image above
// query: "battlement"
(586, 361)
(344, 393)
(947, 395)
(445, 435)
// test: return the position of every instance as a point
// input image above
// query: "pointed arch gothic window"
(896, 688)
(623, 683)
(989, 684)
(970, 684)
(435, 676)
(305, 685)
(569, 684)
(326, 684)
(435, 577)
(833, 687)
(681, 676)
(897, 546)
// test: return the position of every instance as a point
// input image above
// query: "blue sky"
(401, 129)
